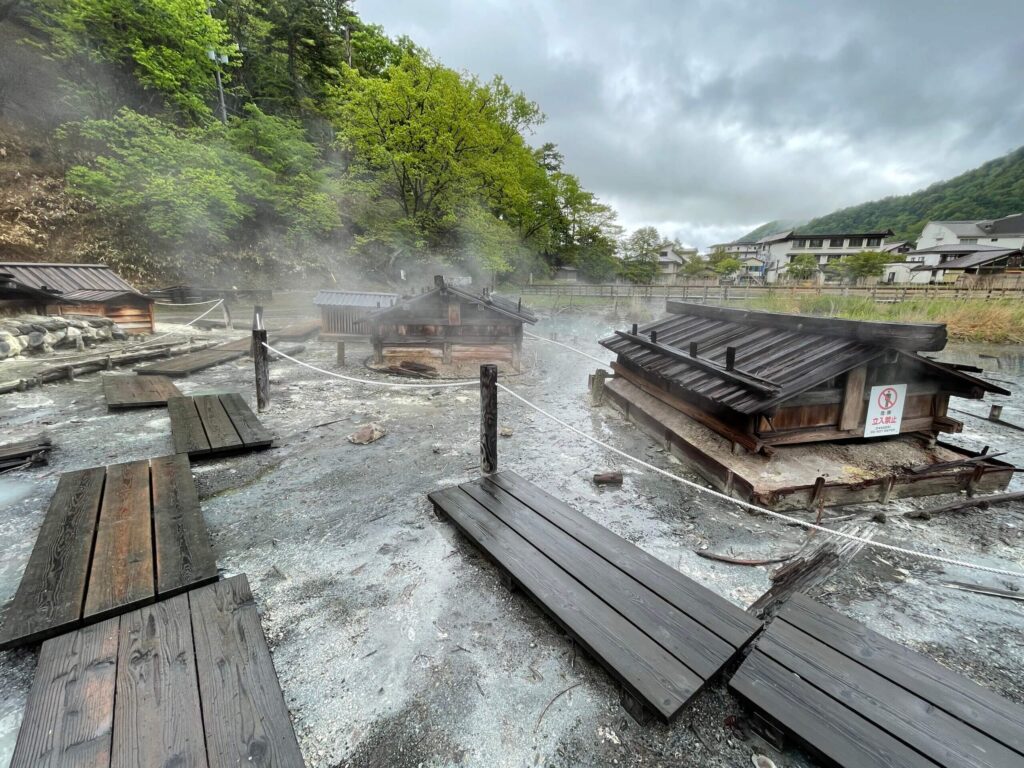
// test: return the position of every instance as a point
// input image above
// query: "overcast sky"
(708, 118)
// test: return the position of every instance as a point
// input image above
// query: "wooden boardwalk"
(857, 698)
(197, 361)
(186, 682)
(213, 425)
(660, 634)
(129, 391)
(113, 538)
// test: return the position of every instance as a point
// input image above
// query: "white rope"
(184, 304)
(560, 344)
(762, 510)
(395, 384)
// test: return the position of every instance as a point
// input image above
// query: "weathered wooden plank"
(193, 361)
(1000, 718)
(904, 715)
(184, 558)
(52, 589)
(852, 413)
(254, 434)
(728, 621)
(246, 721)
(693, 645)
(70, 711)
(646, 669)
(121, 576)
(218, 427)
(157, 714)
(817, 720)
(138, 391)
(187, 431)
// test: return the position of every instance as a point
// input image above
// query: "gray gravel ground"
(396, 644)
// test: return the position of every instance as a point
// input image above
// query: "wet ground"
(396, 644)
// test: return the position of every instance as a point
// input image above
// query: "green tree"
(695, 267)
(858, 266)
(802, 267)
(727, 267)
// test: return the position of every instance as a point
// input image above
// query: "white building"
(1007, 232)
(777, 251)
(925, 265)
(740, 249)
(671, 260)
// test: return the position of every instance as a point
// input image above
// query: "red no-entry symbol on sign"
(887, 398)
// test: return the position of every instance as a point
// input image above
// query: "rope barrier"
(186, 304)
(689, 483)
(397, 385)
(573, 349)
(756, 508)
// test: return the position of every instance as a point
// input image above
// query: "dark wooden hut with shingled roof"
(763, 378)
(450, 325)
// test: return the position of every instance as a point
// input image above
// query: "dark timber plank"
(903, 715)
(818, 720)
(728, 621)
(218, 427)
(641, 665)
(194, 361)
(187, 431)
(138, 391)
(695, 646)
(70, 710)
(157, 721)
(122, 564)
(184, 558)
(52, 590)
(248, 426)
(998, 717)
(245, 718)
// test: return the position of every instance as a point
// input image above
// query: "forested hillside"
(336, 149)
(995, 189)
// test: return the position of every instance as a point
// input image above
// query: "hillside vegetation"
(995, 189)
(337, 149)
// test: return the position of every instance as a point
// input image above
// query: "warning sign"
(885, 410)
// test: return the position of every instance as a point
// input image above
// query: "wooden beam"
(488, 419)
(852, 413)
(762, 386)
(929, 337)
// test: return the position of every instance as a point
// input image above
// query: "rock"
(367, 433)
(760, 761)
(608, 478)
(117, 333)
(505, 431)
(880, 517)
(103, 333)
(10, 345)
(45, 322)
(74, 322)
(40, 339)
(72, 338)
(96, 321)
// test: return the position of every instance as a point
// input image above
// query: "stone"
(72, 338)
(45, 323)
(118, 333)
(367, 433)
(10, 345)
(74, 322)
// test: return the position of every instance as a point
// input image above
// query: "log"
(981, 502)
(922, 468)
(608, 478)
(261, 364)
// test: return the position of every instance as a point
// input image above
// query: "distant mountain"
(770, 228)
(993, 190)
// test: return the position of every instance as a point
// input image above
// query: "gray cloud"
(707, 117)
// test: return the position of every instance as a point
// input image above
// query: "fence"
(707, 292)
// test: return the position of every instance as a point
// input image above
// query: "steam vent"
(792, 411)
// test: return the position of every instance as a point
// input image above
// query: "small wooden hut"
(74, 289)
(718, 384)
(450, 325)
(342, 312)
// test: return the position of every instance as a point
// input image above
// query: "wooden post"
(488, 418)
(259, 356)
(634, 329)
(341, 353)
(851, 415)
(257, 317)
(597, 386)
(995, 412)
(227, 315)
(730, 358)
(693, 349)
(654, 337)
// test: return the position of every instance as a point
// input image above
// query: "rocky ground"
(40, 334)
(396, 644)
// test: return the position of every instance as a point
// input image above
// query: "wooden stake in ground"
(259, 357)
(488, 419)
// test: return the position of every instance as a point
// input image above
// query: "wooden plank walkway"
(128, 391)
(197, 361)
(25, 453)
(213, 425)
(660, 634)
(298, 331)
(113, 538)
(857, 698)
(186, 682)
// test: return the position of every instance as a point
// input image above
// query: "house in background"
(566, 274)
(670, 262)
(739, 249)
(74, 289)
(778, 251)
(1007, 232)
(342, 312)
(992, 265)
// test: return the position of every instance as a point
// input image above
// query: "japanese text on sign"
(885, 410)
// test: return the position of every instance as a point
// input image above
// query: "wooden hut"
(450, 325)
(342, 312)
(74, 289)
(783, 386)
